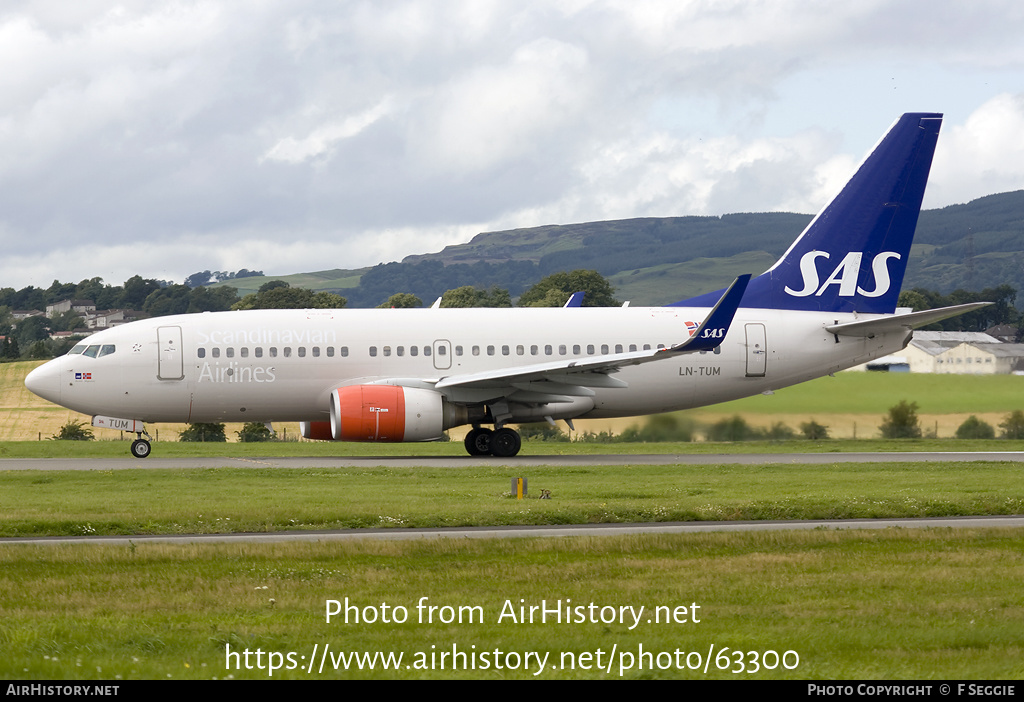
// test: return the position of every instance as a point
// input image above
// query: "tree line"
(29, 338)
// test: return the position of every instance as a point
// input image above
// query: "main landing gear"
(503, 442)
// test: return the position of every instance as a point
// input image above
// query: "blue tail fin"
(852, 256)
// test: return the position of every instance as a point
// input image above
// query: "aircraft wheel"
(506, 443)
(140, 448)
(478, 442)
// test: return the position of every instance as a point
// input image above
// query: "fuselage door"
(171, 365)
(757, 351)
(442, 354)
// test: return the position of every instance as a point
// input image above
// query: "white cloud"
(322, 139)
(169, 137)
(984, 155)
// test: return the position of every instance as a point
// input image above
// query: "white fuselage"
(282, 365)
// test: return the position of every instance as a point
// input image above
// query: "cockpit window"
(106, 350)
(92, 351)
(77, 350)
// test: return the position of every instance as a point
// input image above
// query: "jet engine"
(320, 431)
(390, 413)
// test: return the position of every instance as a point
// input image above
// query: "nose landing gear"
(141, 447)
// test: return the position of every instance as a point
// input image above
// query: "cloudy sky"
(164, 138)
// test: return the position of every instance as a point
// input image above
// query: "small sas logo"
(83, 376)
(691, 327)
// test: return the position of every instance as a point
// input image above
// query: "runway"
(514, 532)
(128, 463)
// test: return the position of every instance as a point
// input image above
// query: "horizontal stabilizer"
(902, 322)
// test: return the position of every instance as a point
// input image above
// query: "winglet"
(575, 300)
(716, 325)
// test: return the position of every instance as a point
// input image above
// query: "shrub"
(203, 432)
(901, 422)
(734, 428)
(974, 428)
(74, 431)
(814, 431)
(541, 432)
(255, 431)
(1013, 426)
(602, 437)
(661, 427)
(779, 432)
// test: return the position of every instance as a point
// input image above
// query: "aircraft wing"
(568, 376)
(904, 322)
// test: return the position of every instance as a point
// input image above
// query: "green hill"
(651, 261)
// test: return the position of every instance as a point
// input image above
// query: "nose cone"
(45, 380)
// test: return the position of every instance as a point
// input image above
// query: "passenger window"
(201, 352)
(476, 350)
(302, 352)
(244, 352)
(373, 352)
(316, 352)
(215, 352)
(287, 351)
(632, 347)
(400, 351)
(505, 351)
(230, 352)
(534, 350)
(273, 352)
(618, 348)
(458, 350)
(548, 350)
(590, 350)
(575, 349)
(344, 351)
(647, 347)
(490, 350)
(330, 352)
(414, 350)
(604, 348)
(426, 350)
(520, 350)
(387, 351)
(562, 350)
(259, 352)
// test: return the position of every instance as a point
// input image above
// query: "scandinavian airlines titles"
(846, 274)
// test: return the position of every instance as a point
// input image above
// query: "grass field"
(911, 605)
(220, 500)
(894, 604)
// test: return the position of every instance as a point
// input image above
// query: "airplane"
(827, 304)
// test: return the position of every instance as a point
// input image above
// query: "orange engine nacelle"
(320, 431)
(386, 413)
